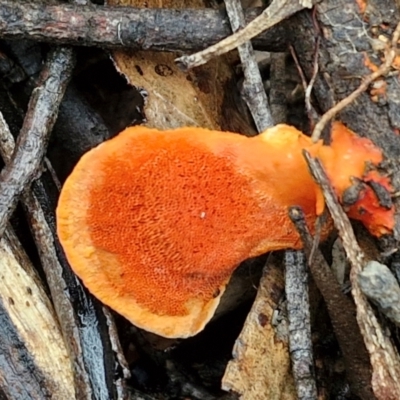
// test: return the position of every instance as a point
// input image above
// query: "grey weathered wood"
(253, 91)
(300, 343)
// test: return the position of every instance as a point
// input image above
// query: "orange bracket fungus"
(154, 222)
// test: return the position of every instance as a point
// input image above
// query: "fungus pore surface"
(174, 215)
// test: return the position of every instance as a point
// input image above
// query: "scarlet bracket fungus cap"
(154, 223)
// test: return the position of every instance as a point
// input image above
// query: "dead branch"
(116, 27)
(253, 91)
(33, 138)
(300, 343)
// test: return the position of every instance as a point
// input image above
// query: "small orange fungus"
(154, 222)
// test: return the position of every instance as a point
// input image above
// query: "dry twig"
(311, 112)
(253, 90)
(276, 12)
(35, 132)
(300, 343)
(120, 27)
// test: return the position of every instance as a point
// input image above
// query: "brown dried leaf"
(261, 365)
(175, 98)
